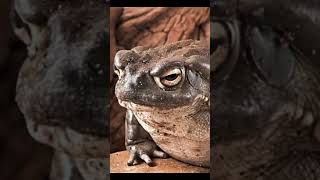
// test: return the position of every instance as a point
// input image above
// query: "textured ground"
(118, 162)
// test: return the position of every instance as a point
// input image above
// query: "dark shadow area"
(21, 156)
(265, 90)
(54, 90)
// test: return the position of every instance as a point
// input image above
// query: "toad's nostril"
(124, 57)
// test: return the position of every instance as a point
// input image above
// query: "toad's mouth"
(138, 107)
(199, 99)
(145, 108)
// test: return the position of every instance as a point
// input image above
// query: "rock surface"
(118, 164)
(155, 26)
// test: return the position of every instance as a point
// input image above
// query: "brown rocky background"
(149, 27)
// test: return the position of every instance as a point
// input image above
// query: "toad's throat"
(179, 133)
(184, 121)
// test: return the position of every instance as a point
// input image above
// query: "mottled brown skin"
(265, 92)
(148, 27)
(166, 116)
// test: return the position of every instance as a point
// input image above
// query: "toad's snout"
(123, 58)
(130, 79)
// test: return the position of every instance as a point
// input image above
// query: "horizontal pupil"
(171, 77)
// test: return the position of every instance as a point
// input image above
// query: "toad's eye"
(170, 78)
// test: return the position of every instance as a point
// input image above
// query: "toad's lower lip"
(199, 99)
(134, 106)
(143, 108)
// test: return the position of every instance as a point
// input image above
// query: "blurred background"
(21, 157)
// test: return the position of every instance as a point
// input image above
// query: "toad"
(166, 93)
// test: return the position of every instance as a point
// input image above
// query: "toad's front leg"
(139, 143)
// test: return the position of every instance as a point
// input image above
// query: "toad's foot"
(143, 151)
